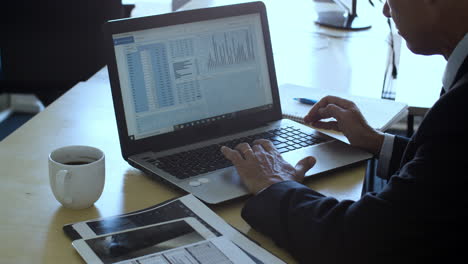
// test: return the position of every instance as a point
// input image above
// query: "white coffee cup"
(77, 175)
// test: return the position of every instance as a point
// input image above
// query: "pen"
(306, 101)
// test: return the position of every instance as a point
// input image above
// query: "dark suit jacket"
(418, 217)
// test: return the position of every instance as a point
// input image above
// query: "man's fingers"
(341, 102)
(257, 148)
(330, 125)
(332, 110)
(314, 113)
(266, 144)
(245, 150)
(232, 155)
(304, 165)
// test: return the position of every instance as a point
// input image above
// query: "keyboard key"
(281, 145)
(283, 150)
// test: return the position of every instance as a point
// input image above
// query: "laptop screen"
(194, 74)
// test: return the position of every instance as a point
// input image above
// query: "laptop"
(186, 83)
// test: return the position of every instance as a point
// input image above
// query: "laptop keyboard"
(198, 161)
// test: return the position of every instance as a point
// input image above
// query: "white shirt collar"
(454, 63)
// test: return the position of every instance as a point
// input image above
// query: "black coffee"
(77, 162)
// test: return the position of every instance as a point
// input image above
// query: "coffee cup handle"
(63, 178)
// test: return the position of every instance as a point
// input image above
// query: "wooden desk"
(32, 220)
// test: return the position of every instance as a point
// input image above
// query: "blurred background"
(48, 46)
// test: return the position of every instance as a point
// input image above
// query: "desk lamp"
(347, 20)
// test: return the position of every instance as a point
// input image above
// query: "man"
(417, 217)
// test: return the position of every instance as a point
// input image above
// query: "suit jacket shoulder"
(447, 120)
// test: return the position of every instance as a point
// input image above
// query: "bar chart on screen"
(229, 48)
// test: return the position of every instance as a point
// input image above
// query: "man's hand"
(349, 120)
(261, 165)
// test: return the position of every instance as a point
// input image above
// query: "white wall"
(419, 78)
